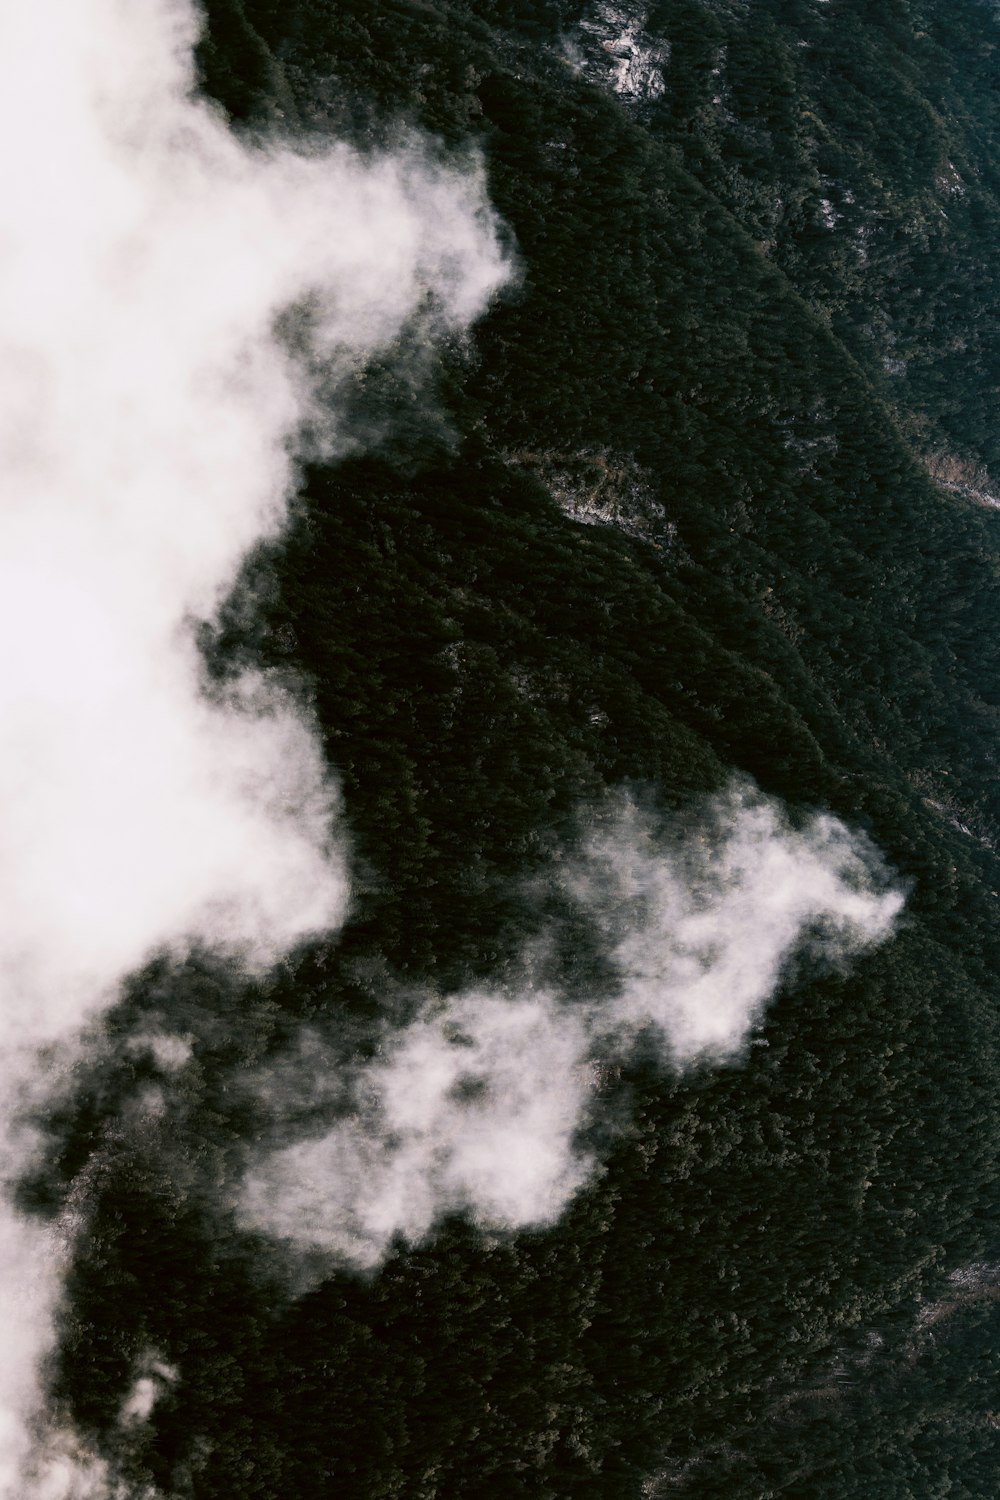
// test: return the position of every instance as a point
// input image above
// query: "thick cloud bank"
(476, 1105)
(148, 411)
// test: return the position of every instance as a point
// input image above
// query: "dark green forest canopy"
(763, 300)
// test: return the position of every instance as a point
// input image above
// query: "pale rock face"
(598, 488)
(617, 52)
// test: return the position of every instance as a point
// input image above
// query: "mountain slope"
(753, 343)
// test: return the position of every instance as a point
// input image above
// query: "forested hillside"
(712, 491)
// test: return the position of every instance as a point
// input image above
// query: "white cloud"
(153, 1377)
(473, 1107)
(701, 928)
(476, 1105)
(148, 414)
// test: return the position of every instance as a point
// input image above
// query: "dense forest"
(706, 494)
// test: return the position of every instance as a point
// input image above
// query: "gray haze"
(476, 1104)
(148, 414)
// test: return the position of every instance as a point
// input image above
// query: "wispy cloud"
(701, 920)
(474, 1106)
(477, 1104)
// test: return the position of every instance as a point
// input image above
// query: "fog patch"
(153, 1377)
(168, 1053)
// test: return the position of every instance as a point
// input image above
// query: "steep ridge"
(757, 304)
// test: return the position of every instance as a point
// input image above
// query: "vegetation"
(764, 302)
